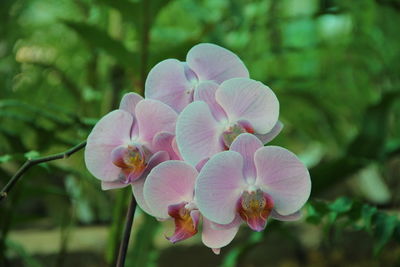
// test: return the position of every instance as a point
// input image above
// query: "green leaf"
(32, 154)
(367, 212)
(26, 258)
(341, 205)
(98, 38)
(385, 226)
(5, 158)
(142, 253)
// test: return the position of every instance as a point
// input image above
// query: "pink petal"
(171, 182)
(175, 148)
(282, 175)
(137, 189)
(137, 186)
(129, 102)
(154, 160)
(171, 83)
(219, 186)
(163, 141)
(247, 144)
(249, 100)
(265, 138)
(110, 132)
(291, 217)
(205, 91)
(216, 251)
(216, 237)
(215, 63)
(153, 117)
(112, 185)
(201, 164)
(197, 133)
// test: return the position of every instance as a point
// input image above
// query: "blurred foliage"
(334, 65)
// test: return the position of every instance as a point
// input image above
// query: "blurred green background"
(334, 65)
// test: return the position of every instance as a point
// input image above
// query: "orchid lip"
(131, 159)
(254, 207)
(186, 218)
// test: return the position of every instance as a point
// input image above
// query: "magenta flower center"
(131, 160)
(186, 219)
(254, 208)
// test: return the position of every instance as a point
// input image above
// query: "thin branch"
(127, 233)
(32, 162)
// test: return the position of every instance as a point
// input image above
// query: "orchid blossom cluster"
(193, 149)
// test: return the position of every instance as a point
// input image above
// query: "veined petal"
(170, 83)
(291, 217)
(163, 141)
(198, 135)
(215, 63)
(205, 91)
(247, 145)
(153, 117)
(110, 132)
(112, 185)
(137, 189)
(249, 100)
(265, 138)
(219, 186)
(129, 102)
(169, 183)
(283, 176)
(214, 237)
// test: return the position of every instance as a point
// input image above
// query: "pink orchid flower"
(250, 183)
(221, 112)
(173, 82)
(127, 143)
(169, 194)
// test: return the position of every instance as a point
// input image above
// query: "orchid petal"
(129, 102)
(283, 176)
(112, 185)
(110, 132)
(215, 63)
(219, 186)
(163, 141)
(249, 100)
(265, 138)
(170, 83)
(171, 182)
(153, 117)
(291, 217)
(205, 91)
(137, 189)
(197, 133)
(217, 237)
(247, 144)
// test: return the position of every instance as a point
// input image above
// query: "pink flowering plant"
(193, 149)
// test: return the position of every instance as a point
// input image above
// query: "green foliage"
(353, 214)
(99, 39)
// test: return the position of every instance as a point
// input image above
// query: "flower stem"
(32, 162)
(127, 233)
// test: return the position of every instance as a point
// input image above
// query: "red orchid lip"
(254, 208)
(186, 221)
(131, 159)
